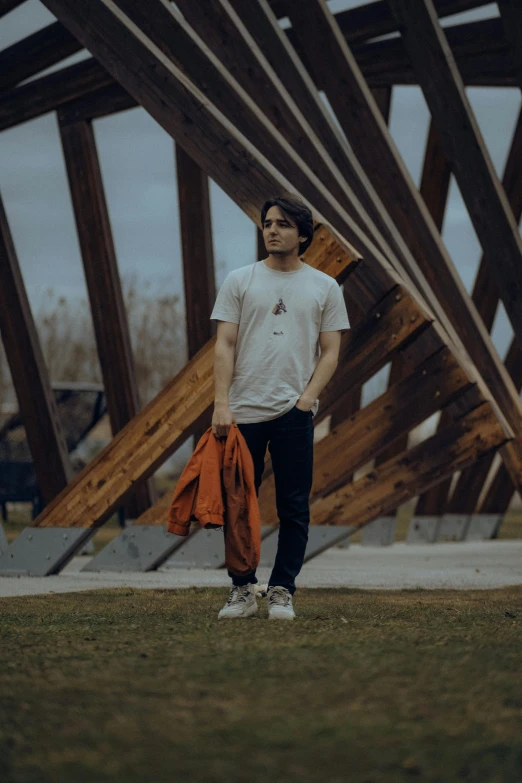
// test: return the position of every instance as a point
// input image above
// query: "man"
(278, 339)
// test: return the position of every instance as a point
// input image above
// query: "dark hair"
(297, 211)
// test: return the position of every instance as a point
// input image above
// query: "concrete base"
(322, 537)
(423, 530)
(42, 551)
(136, 548)
(380, 532)
(203, 549)
(3, 539)
(452, 527)
(482, 527)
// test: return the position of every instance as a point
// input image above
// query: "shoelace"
(280, 596)
(237, 594)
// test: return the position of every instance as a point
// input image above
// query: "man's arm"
(224, 356)
(330, 343)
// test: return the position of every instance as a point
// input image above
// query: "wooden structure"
(241, 99)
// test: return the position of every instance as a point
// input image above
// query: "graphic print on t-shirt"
(279, 308)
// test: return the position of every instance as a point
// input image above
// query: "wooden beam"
(479, 48)
(273, 108)
(511, 15)
(372, 20)
(99, 103)
(103, 282)
(197, 250)
(367, 347)
(50, 92)
(9, 5)
(489, 66)
(465, 148)
(371, 431)
(434, 189)
(370, 139)
(33, 54)
(395, 482)
(26, 362)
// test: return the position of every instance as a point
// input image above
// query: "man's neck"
(281, 263)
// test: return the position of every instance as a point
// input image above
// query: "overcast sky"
(137, 160)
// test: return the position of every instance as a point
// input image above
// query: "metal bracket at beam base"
(482, 527)
(137, 548)
(379, 532)
(423, 530)
(42, 551)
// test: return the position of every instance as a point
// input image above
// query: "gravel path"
(462, 566)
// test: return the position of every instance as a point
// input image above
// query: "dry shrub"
(157, 328)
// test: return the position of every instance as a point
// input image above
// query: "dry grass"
(366, 687)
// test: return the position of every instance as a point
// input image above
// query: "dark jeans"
(290, 440)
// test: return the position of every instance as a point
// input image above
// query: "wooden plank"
(395, 482)
(103, 283)
(465, 148)
(33, 54)
(370, 432)
(98, 103)
(197, 250)
(50, 92)
(511, 15)
(317, 31)
(26, 362)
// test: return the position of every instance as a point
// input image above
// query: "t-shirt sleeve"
(334, 317)
(228, 303)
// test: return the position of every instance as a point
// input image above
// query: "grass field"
(364, 687)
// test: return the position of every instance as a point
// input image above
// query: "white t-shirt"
(280, 316)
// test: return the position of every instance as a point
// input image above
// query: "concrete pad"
(379, 532)
(464, 566)
(423, 530)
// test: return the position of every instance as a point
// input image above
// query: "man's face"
(280, 233)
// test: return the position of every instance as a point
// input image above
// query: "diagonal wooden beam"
(26, 362)
(489, 66)
(399, 479)
(511, 15)
(465, 148)
(103, 283)
(372, 20)
(9, 5)
(33, 54)
(48, 93)
(313, 23)
(371, 431)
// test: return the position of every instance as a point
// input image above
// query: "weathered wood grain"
(370, 432)
(386, 487)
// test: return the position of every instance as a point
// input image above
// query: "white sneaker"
(241, 603)
(280, 604)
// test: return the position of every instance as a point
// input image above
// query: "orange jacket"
(217, 489)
